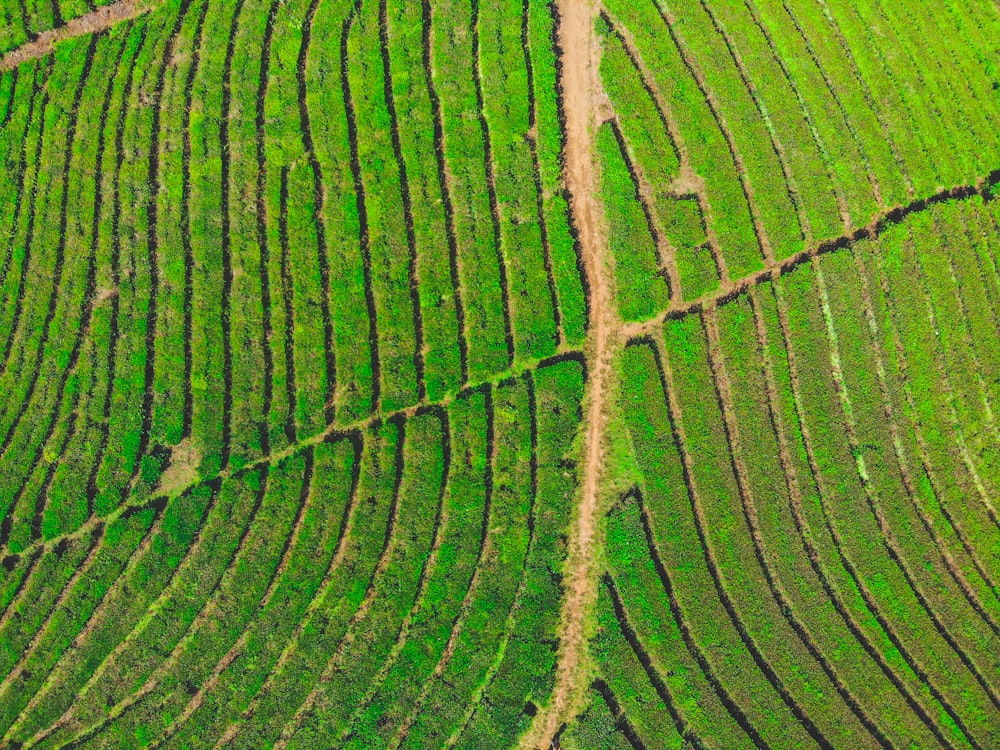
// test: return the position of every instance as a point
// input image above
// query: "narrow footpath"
(89, 23)
(580, 81)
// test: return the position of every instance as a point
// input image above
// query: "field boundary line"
(872, 230)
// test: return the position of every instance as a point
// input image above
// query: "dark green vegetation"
(808, 553)
(291, 325)
(293, 353)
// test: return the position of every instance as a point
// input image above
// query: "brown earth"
(88, 23)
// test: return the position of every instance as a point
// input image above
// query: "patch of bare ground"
(89, 23)
(182, 472)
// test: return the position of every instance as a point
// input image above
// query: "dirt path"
(581, 86)
(88, 23)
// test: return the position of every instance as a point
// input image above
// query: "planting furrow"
(881, 481)
(320, 549)
(174, 525)
(287, 296)
(940, 489)
(12, 327)
(50, 315)
(701, 406)
(651, 132)
(549, 141)
(622, 723)
(43, 597)
(364, 239)
(123, 543)
(715, 711)
(486, 547)
(263, 244)
(225, 236)
(798, 463)
(462, 169)
(845, 154)
(714, 616)
(154, 185)
(50, 521)
(646, 716)
(97, 485)
(240, 595)
(184, 209)
(166, 607)
(8, 84)
(777, 505)
(917, 346)
(814, 224)
(351, 574)
(119, 714)
(375, 719)
(748, 502)
(821, 466)
(394, 595)
(426, 22)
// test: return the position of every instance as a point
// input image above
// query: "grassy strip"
(379, 712)
(463, 165)
(642, 286)
(225, 614)
(772, 485)
(333, 606)
(801, 152)
(878, 573)
(713, 154)
(381, 627)
(539, 40)
(730, 523)
(507, 104)
(652, 720)
(673, 666)
(380, 621)
(439, 300)
(887, 488)
(120, 609)
(743, 689)
(524, 673)
(310, 554)
(122, 540)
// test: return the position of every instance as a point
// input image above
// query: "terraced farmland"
(492, 374)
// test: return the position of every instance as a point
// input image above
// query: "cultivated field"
(490, 374)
